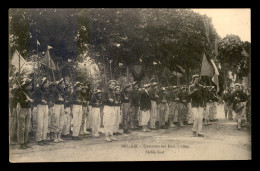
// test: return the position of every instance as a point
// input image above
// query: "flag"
(49, 47)
(120, 64)
(206, 68)
(38, 43)
(216, 74)
(15, 61)
(47, 61)
(154, 63)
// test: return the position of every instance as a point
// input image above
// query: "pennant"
(47, 61)
(120, 64)
(38, 43)
(49, 47)
(15, 61)
(215, 77)
(206, 68)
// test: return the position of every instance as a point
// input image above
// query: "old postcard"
(123, 84)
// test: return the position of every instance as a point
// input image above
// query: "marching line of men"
(61, 111)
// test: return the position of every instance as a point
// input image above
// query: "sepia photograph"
(129, 84)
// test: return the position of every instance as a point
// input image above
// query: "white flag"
(38, 43)
(49, 47)
(15, 61)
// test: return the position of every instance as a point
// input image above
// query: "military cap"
(117, 87)
(58, 82)
(112, 81)
(237, 84)
(154, 84)
(97, 91)
(195, 76)
(152, 80)
(44, 80)
(163, 88)
(146, 85)
(77, 84)
(134, 83)
(25, 81)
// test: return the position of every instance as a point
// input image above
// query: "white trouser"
(190, 114)
(109, 119)
(77, 118)
(117, 118)
(153, 114)
(89, 118)
(145, 116)
(95, 119)
(42, 122)
(67, 121)
(58, 118)
(198, 118)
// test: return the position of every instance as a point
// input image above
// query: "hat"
(58, 82)
(195, 76)
(97, 91)
(77, 84)
(112, 81)
(116, 87)
(163, 88)
(134, 83)
(44, 80)
(152, 80)
(146, 85)
(154, 84)
(237, 84)
(25, 81)
(52, 84)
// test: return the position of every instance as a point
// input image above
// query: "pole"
(19, 65)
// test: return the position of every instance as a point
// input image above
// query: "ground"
(222, 141)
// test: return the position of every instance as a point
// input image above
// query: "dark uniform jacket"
(87, 97)
(41, 94)
(58, 93)
(126, 97)
(21, 98)
(162, 97)
(153, 95)
(77, 98)
(108, 95)
(171, 96)
(67, 99)
(95, 102)
(135, 98)
(183, 97)
(238, 96)
(197, 96)
(145, 101)
(118, 99)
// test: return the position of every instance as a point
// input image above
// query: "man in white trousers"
(67, 111)
(96, 104)
(41, 97)
(196, 94)
(77, 101)
(117, 110)
(108, 99)
(145, 108)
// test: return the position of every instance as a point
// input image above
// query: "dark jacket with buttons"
(197, 99)
(145, 101)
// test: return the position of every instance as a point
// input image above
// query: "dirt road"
(222, 141)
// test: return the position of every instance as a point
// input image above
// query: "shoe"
(113, 138)
(238, 128)
(81, 133)
(56, 140)
(181, 125)
(27, 146)
(96, 135)
(144, 130)
(76, 138)
(40, 143)
(22, 146)
(126, 131)
(60, 140)
(86, 132)
(148, 130)
(45, 142)
(200, 135)
(194, 133)
(108, 139)
(172, 126)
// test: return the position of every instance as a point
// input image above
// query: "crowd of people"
(58, 111)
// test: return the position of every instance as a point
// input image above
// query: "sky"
(230, 21)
